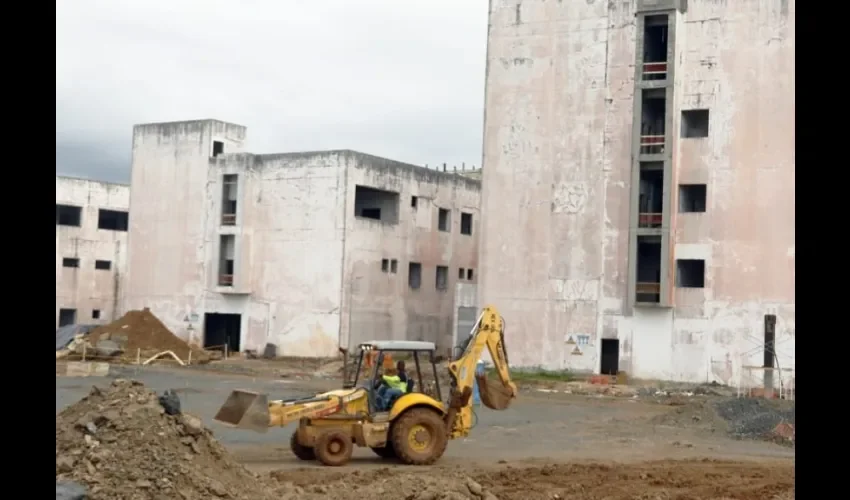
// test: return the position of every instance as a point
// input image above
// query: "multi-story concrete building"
(638, 187)
(309, 252)
(91, 246)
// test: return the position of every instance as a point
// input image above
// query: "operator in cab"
(402, 375)
(391, 389)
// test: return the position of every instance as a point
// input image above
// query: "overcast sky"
(402, 79)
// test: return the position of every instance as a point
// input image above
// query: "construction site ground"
(552, 443)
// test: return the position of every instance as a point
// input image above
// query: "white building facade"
(308, 252)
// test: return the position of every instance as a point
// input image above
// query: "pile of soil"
(121, 443)
(142, 330)
(692, 479)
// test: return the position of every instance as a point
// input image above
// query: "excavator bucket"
(245, 410)
(494, 395)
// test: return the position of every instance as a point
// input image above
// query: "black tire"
(425, 426)
(334, 448)
(299, 450)
(387, 451)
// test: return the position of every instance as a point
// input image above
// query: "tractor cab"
(377, 358)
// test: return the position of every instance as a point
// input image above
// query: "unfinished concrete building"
(308, 252)
(638, 187)
(91, 246)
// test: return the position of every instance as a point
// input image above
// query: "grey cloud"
(397, 79)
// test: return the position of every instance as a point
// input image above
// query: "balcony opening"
(443, 219)
(651, 200)
(112, 220)
(414, 201)
(67, 215)
(469, 274)
(67, 317)
(465, 223)
(414, 275)
(652, 125)
(655, 47)
(442, 278)
(385, 265)
(692, 198)
(230, 184)
(690, 273)
(227, 252)
(394, 266)
(461, 273)
(694, 123)
(218, 148)
(376, 204)
(648, 283)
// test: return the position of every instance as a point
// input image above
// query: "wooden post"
(189, 360)
(84, 351)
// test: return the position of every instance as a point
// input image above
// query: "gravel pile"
(752, 418)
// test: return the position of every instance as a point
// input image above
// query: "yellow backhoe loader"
(415, 428)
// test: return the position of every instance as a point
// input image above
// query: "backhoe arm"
(489, 332)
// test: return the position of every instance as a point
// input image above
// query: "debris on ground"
(120, 443)
(140, 332)
(692, 479)
(69, 490)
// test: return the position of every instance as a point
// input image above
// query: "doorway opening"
(222, 330)
(67, 317)
(610, 362)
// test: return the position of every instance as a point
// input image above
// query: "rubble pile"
(125, 442)
(141, 331)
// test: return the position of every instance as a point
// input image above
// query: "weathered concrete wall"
(556, 176)
(167, 267)
(85, 288)
(382, 305)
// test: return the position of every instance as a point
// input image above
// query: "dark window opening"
(112, 220)
(414, 201)
(655, 47)
(222, 332)
(690, 273)
(95, 314)
(394, 266)
(653, 118)
(377, 204)
(218, 148)
(695, 123)
(385, 265)
(228, 200)
(414, 275)
(103, 265)
(769, 350)
(465, 223)
(469, 274)
(651, 197)
(67, 215)
(442, 281)
(443, 219)
(648, 282)
(692, 197)
(461, 273)
(67, 317)
(227, 252)
(70, 262)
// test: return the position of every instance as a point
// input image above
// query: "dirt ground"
(552, 445)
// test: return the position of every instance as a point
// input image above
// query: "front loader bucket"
(494, 395)
(245, 410)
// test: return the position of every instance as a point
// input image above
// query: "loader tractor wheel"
(387, 451)
(299, 450)
(334, 448)
(419, 437)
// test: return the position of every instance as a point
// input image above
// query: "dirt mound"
(142, 330)
(692, 479)
(121, 444)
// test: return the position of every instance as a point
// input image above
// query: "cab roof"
(398, 345)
